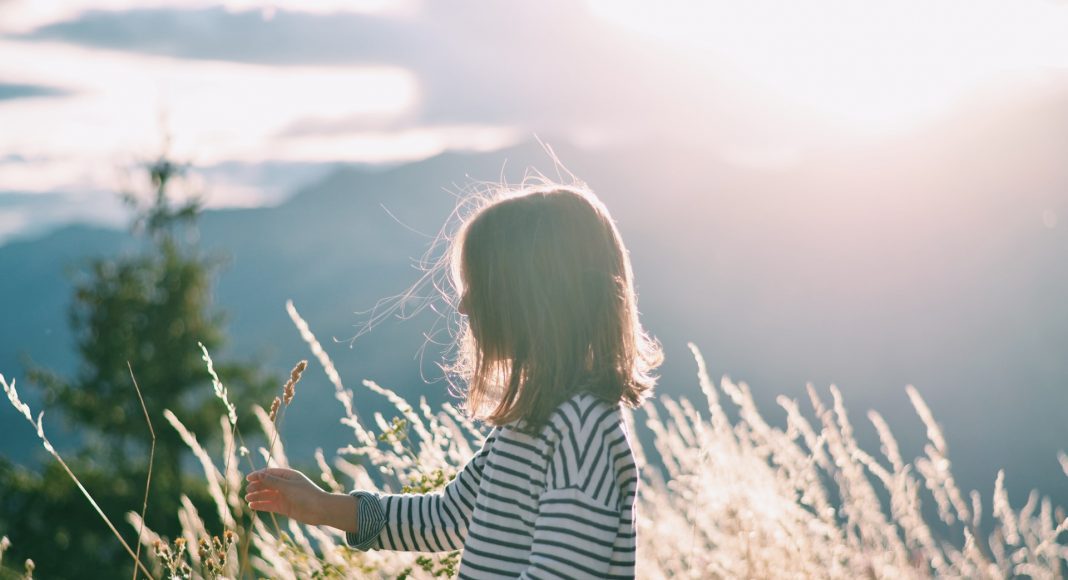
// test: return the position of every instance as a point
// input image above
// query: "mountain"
(928, 259)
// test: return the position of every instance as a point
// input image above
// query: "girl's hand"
(287, 492)
(290, 493)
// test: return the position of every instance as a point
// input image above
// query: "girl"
(550, 349)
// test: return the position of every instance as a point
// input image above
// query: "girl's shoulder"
(583, 413)
(574, 418)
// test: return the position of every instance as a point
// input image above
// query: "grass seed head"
(274, 408)
(290, 389)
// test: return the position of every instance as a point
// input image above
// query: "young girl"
(551, 348)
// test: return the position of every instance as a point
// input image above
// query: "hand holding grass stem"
(290, 493)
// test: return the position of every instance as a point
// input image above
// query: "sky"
(264, 96)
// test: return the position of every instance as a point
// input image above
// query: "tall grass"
(733, 499)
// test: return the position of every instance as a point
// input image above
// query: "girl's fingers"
(264, 506)
(278, 472)
(264, 481)
(260, 485)
(282, 472)
(261, 495)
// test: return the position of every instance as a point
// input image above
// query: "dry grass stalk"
(220, 390)
(24, 410)
(151, 462)
(290, 389)
(343, 395)
(5, 543)
(280, 404)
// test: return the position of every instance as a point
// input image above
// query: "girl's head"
(545, 282)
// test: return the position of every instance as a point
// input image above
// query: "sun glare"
(875, 65)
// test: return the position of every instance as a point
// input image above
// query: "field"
(726, 499)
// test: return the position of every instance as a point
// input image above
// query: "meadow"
(723, 494)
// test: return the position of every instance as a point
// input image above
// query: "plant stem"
(148, 478)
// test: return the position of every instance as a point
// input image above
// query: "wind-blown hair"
(546, 283)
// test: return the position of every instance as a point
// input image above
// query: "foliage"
(148, 309)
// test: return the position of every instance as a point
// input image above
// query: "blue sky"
(264, 96)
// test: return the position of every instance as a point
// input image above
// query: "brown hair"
(546, 283)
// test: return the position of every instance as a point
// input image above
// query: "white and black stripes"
(560, 504)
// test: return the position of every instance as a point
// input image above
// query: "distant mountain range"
(937, 259)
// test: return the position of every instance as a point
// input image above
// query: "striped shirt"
(559, 504)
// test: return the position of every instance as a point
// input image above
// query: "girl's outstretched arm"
(427, 522)
(431, 522)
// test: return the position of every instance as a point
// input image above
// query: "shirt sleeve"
(428, 522)
(370, 520)
(578, 521)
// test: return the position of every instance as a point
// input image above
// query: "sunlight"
(876, 66)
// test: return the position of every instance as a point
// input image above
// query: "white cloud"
(19, 16)
(219, 111)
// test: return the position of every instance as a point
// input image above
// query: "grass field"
(733, 499)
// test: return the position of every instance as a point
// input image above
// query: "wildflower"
(204, 549)
(163, 553)
(229, 537)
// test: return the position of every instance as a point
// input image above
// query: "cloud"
(24, 91)
(24, 15)
(543, 67)
(214, 33)
(221, 110)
